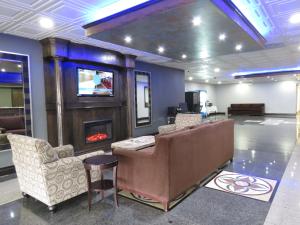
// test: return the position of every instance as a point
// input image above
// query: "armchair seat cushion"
(64, 151)
(46, 153)
(182, 120)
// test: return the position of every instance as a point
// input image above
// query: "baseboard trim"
(281, 114)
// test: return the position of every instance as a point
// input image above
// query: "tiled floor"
(260, 150)
(286, 204)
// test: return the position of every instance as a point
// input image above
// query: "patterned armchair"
(51, 175)
(182, 120)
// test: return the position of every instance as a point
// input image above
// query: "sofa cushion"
(12, 122)
(45, 151)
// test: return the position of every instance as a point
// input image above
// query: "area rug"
(10, 191)
(154, 203)
(247, 186)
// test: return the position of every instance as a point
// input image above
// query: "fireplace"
(97, 131)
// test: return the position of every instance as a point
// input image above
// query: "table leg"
(101, 177)
(115, 186)
(89, 183)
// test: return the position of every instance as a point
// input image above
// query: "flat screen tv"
(95, 82)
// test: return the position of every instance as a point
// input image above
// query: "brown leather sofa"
(247, 109)
(178, 161)
(12, 124)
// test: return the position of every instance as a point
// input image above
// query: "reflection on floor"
(5, 158)
(10, 191)
(286, 204)
(260, 150)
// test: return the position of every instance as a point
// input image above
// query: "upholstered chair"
(50, 175)
(182, 120)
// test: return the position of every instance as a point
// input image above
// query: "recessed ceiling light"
(238, 47)
(46, 22)
(19, 65)
(206, 81)
(128, 39)
(295, 18)
(222, 37)
(161, 49)
(183, 56)
(190, 78)
(204, 55)
(217, 70)
(3, 70)
(196, 21)
(219, 82)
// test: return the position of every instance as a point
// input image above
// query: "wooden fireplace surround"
(66, 112)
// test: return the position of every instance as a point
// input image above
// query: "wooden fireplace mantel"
(66, 112)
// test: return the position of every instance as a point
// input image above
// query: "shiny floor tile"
(286, 204)
(260, 150)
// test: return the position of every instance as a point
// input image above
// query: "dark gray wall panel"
(167, 89)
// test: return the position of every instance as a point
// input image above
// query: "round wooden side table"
(101, 162)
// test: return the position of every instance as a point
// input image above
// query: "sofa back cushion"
(195, 153)
(184, 120)
(12, 122)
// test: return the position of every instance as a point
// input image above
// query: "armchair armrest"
(63, 179)
(2, 130)
(64, 151)
(166, 128)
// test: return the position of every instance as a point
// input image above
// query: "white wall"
(211, 89)
(279, 97)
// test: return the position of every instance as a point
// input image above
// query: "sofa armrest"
(143, 153)
(166, 128)
(64, 151)
(2, 130)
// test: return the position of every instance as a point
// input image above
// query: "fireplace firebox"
(97, 131)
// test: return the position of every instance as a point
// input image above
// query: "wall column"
(59, 99)
(130, 85)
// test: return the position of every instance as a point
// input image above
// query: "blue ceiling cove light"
(113, 7)
(254, 12)
(264, 72)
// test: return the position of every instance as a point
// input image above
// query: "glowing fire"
(96, 137)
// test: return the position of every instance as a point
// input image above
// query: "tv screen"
(95, 82)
